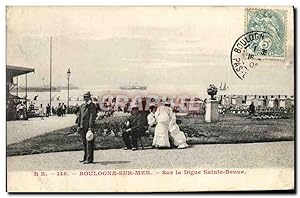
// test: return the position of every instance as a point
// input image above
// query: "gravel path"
(253, 155)
(22, 129)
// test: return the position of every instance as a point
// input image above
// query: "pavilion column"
(26, 91)
(17, 86)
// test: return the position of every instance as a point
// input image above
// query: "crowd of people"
(40, 111)
(60, 110)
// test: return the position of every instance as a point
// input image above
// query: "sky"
(154, 46)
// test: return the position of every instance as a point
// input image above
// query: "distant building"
(285, 103)
(12, 74)
(264, 101)
(237, 100)
(225, 100)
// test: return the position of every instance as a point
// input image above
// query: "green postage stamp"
(273, 23)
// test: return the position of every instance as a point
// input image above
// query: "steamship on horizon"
(133, 87)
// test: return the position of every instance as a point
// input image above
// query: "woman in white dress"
(178, 136)
(151, 119)
(161, 136)
(41, 112)
(166, 125)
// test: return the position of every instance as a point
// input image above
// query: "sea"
(76, 96)
(165, 91)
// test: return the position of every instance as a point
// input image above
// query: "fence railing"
(244, 110)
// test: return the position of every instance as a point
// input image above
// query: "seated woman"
(161, 136)
(178, 136)
(151, 119)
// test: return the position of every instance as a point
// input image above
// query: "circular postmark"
(247, 51)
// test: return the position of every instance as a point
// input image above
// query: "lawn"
(229, 129)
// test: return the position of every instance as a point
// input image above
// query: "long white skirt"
(161, 137)
(178, 137)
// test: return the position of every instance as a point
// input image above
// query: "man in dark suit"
(134, 129)
(86, 122)
(251, 109)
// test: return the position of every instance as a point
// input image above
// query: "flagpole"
(50, 71)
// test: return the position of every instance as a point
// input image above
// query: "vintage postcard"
(150, 99)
